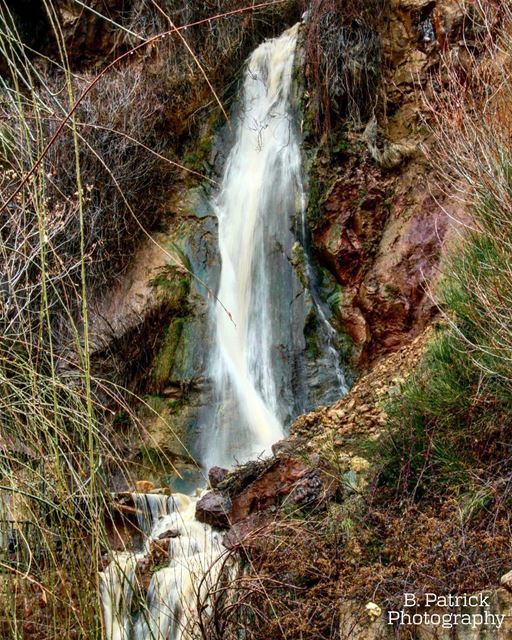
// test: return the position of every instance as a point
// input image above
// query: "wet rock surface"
(251, 497)
(216, 475)
(361, 413)
(288, 480)
(214, 509)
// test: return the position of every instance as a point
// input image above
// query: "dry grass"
(79, 155)
(343, 60)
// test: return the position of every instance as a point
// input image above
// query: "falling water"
(259, 317)
(170, 610)
(257, 200)
(261, 209)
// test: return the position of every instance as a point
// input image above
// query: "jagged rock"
(214, 509)
(309, 491)
(216, 475)
(286, 477)
(168, 533)
(361, 410)
(248, 532)
(382, 221)
(286, 447)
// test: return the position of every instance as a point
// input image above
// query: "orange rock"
(144, 486)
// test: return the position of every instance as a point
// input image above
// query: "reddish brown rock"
(285, 477)
(144, 486)
(277, 481)
(216, 475)
(383, 216)
(214, 509)
(248, 533)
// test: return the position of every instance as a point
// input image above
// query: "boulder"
(214, 509)
(168, 533)
(248, 532)
(288, 478)
(216, 475)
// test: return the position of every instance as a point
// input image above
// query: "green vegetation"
(441, 495)
(451, 423)
(434, 515)
(85, 169)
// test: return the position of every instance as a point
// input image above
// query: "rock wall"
(378, 220)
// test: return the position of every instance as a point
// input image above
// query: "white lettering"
(499, 620)
(409, 600)
(478, 620)
(393, 616)
(484, 600)
(430, 599)
(447, 621)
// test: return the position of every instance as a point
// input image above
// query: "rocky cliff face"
(378, 220)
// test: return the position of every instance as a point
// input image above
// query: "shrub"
(343, 59)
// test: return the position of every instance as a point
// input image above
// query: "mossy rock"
(164, 359)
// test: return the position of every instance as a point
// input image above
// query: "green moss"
(299, 263)
(196, 160)
(152, 457)
(340, 144)
(335, 300)
(316, 194)
(164, 359)
(311, 335)
(175, 405)
(173, 288)
(155, 402)
(198, 152)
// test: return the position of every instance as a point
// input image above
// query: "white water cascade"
(259, 305)
(258, 196)
(170, 610)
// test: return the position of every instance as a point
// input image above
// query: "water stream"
(257, 362)
(170, 608)
(254, 206)
(257, 365)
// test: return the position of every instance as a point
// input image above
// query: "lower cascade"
(174, 591)
(255, 364)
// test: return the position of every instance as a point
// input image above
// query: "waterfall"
(255, 207)
(170, 610)
(257, 363)
(259, 313)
